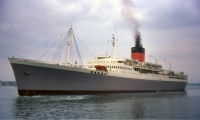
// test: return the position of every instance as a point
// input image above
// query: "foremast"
(70, 32)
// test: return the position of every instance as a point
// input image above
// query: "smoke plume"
(128, 12)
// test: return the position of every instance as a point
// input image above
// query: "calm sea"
(152, 105)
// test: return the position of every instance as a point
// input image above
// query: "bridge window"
(120, 61)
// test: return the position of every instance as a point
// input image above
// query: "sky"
(169, 30)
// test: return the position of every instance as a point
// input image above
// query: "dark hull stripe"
(69, 92)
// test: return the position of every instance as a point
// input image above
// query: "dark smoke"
(128, 12)
(137, 40)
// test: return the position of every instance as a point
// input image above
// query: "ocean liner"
(102, 74)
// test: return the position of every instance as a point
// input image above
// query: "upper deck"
(123, 65)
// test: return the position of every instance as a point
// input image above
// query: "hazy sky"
(170, 30)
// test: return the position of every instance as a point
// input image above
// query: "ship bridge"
(102, 57)
(106, 61)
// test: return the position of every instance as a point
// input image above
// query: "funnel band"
(137, 49)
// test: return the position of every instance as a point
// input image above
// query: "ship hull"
(39, 79)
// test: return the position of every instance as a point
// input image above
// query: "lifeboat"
(101, 68)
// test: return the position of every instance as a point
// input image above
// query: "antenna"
(115, 31)
(169, 64)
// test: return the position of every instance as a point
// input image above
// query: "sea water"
(148, 105)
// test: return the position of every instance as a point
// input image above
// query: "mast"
(113, 44)
(62, 49)
(69, 44)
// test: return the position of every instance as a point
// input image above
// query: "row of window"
(119, 67)
(178, 77)
(146, 71)
(107, 61)
(100, 73)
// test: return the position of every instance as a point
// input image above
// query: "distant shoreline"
(194, 84)
(8, 83)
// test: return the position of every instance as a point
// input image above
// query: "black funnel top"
(138, 45)
(138, 41)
